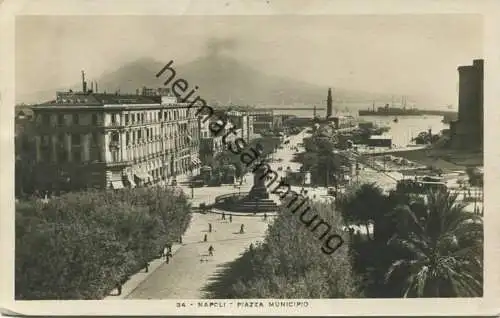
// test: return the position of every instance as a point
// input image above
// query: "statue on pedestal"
(259, 189)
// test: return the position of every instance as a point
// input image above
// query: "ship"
(404, 111)
(391, 110)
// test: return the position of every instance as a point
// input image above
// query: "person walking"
(119, 288)
(209, 227)
(242, 229)
(165, 252)
(230, 218)
(205, 238)
(265, 216)
(223, 215)
(211, 250)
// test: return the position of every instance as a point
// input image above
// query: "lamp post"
(192, 175)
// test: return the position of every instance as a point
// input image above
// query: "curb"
(260, 214)
(138, 278)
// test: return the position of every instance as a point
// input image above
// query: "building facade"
(263, 120)
(244, 122)
(467, 131)
(93, 140)
(211, 145)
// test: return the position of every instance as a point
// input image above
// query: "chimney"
(84, 84)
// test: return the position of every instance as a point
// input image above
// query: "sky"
(395, 54)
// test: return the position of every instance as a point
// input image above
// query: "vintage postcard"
(254, 157)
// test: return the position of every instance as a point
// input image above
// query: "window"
(77, 155)
(94, 119)
(113, 119)
(133, 118)
(127, 138)
(45, 140)
(159, 115)
(62, 156)
(95, 139)
(76, 119)
(46, 119)
(139, 135)
(45, 152)
(126, 119)
(75, 139)
(60, 119)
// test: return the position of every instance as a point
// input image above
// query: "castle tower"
(329, 104)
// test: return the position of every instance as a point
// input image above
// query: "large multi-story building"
(211, 145)
(244, 121)
(88, 139)
(467, 131)
(262, 120)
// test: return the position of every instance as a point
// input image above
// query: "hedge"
(79, 245)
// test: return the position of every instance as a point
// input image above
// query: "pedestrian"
(167, 258)
(211, 251)
(169, 246)
(205, 238)
(210, 227)
(165, 252)
(230, 218)
(180, 239)
(146, 266)
(265, 216)
(119, 289)
(223, 215)
(242, 229)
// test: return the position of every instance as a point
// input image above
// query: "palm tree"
(444, 246)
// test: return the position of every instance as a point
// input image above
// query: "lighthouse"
(329, 104)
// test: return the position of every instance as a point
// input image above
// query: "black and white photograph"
(232, 162)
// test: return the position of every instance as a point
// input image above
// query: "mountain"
(223, 79)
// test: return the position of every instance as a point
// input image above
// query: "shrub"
(78, 246)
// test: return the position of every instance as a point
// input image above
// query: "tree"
(444, 246)
(79, 245)
(365, 204)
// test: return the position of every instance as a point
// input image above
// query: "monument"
(256, 201)
(259, 189)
